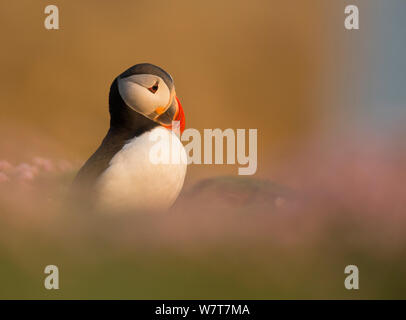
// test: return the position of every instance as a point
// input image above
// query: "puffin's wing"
(99, 161)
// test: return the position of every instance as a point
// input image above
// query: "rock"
(237, 191)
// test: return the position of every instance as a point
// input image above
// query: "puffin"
(121, 175)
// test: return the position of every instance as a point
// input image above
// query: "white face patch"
(136, 93)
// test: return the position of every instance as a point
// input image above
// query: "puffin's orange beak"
(180, 116)
(177, 115)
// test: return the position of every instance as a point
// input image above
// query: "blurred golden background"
(235, 64)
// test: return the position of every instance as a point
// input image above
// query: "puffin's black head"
(143, 97)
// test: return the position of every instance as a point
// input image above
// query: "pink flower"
(44, 164)
(26, 171)
(3, 177)
(5, 166)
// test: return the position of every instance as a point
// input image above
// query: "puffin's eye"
(154, 88)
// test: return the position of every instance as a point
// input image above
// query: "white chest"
(146, 174)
